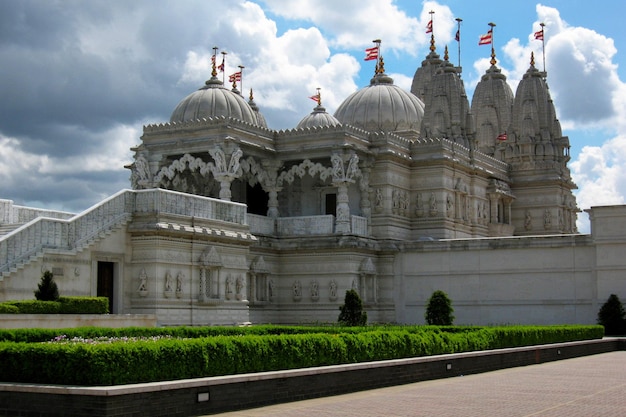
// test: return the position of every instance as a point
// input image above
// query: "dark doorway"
(331, 204)
(105, 281)
(256, 199)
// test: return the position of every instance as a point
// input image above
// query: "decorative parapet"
(14, 214)
(305, 225)
(261, 225)
(200, 124)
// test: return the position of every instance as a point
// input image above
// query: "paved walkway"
(586, 387)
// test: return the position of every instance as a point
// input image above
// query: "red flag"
(212, 59)
(371, 54)
(235, 77)
(485, 39)
(316, 98)
(429, 26)
(502, 137)
(221, 66)
(539, 35)
(457, 37)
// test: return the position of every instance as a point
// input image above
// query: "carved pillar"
(342, 222)
(365, 203)
(342, 178)
(493, 199)
(269, 183)
(224, 173)
(225, 181)
(272, 203)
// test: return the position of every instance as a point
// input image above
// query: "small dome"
(214, 100)
(382, 106)
(259, 117)
(318, 118)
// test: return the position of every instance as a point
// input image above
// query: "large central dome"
(214, 100)
(382, 106)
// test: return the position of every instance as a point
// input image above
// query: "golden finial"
(381, 67)
(532, 59)
(251, 95)
(445, 53)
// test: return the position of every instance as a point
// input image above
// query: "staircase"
(21, 244)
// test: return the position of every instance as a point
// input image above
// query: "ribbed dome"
(382, 106)
(212, 100)
(318, 118)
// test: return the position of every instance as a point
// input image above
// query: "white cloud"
(357, 22)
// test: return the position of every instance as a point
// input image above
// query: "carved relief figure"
(379, 200)
(297, 290)
(547, 219)
(315, 292)
(271, 289)
(239, 284)
(168, 282)
(449, 206)
(143, 281)
(528, 221)
(332, 290)
(433, 205)
(229, 287)
(179, 282)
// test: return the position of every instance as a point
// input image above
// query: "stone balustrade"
(69, 234)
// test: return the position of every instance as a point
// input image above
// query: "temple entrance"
(106, 273)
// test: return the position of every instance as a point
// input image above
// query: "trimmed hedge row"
(65, 305)
(169, 359)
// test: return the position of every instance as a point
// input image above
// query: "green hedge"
(65, 305)
(84, 305)
(172, 358)
(8, 309)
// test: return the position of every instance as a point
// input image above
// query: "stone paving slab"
(587, 386)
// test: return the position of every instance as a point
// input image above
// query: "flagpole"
(493, 51)
(458, 39)
(377, 42)
(432, 31)
(241, 67)
(224, 67)
(543, 45)
(213, 70)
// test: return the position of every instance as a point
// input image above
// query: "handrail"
(69, 234)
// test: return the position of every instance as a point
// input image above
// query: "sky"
(79, 79)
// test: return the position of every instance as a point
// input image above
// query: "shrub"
(84, 305)
(8, 309)
(439, 310)
(47, 289)
(351, 312)
(611, 316)
(36, 306)
(124, 361)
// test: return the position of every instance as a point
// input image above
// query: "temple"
(396, 195)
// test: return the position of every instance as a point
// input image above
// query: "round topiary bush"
(439, 310)
(611, 316)
(351, 312)
(47, 289)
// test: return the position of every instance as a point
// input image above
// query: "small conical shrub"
(47, 289)
(439, 310)
(351, 312)
(611, 316)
